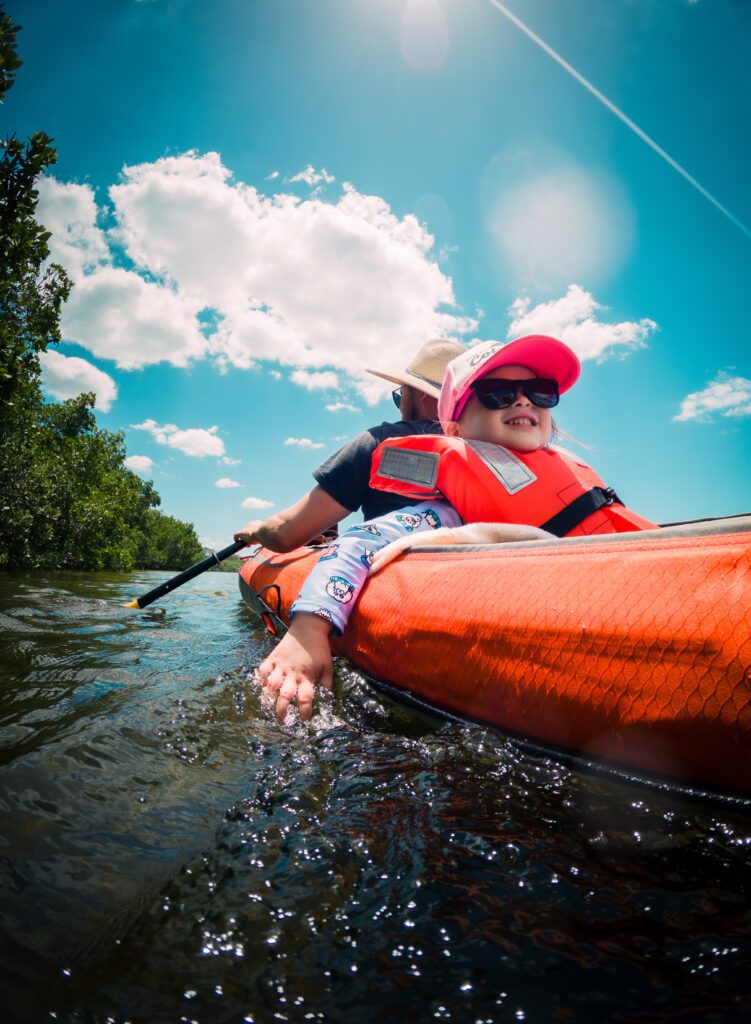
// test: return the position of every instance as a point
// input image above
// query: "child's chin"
(521, 442)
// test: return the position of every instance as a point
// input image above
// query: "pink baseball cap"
(544, 356)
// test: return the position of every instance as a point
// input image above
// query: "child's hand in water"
(300, 660)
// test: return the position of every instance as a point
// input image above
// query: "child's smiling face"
(522, 426)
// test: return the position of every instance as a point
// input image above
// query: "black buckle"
(569, 517)
(609, 496)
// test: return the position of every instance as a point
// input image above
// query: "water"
(169, 853)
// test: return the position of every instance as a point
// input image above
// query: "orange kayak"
(632, 649)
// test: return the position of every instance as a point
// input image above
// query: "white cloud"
(227, 461)
(226, 482)
(303, 442)
(325, 381)
(725, 395)
(139, 463)
(306, 284)
(342, 407)
(117, 315)
(69, 211)
(272, 176)
(113, 312)
(195, 442)
(67, 376)
(180, 219)
(257, 503)
(572, 318)
(313, 177)
(364, 290)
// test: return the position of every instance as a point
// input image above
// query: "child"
(495, 463)
(342, 481)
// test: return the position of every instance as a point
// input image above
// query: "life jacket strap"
(580, 508)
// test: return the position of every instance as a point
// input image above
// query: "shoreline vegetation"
(67, 500)
(231, 564)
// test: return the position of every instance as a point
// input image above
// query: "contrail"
(621, 116)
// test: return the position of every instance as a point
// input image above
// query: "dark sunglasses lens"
(396, 394)
(498, 398)
(542, 393)
(499, 394)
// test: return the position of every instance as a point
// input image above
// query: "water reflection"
(169, 852)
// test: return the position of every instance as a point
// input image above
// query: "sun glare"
(551, 222)
(424, 36)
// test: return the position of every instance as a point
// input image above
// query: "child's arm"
(303, 656)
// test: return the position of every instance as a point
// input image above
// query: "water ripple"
(170, 853)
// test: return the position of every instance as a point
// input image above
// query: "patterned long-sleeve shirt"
(333, 586)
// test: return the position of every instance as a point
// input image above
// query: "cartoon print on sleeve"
(367, 558)
(340, 589)
(367, 528)
(324, 613)
(408, 521)
(329, 552)
(432, 517)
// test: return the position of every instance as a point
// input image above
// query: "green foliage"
(232, 564)
(167, 543)
(9, 62)
(69, 502)
(31, 291)
(66, 498)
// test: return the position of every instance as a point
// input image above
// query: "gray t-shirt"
(345, 475)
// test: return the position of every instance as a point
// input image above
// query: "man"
(343, 480)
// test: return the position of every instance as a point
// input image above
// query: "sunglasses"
(396, 394)
(500, 394)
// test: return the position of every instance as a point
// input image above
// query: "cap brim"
(410, 380)
(543, 355)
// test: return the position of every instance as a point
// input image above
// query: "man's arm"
(294, 526)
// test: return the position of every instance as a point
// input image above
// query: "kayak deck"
(634, 649)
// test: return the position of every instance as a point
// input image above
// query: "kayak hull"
(633, 649)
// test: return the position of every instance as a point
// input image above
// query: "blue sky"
(256, 200)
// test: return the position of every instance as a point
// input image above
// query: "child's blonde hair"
(557, 432)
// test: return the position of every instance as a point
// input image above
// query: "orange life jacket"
(487, 483)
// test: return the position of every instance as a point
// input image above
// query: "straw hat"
(426, 370)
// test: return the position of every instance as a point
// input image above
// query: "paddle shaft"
(195, 570)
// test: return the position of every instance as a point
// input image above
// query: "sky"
(257, 200)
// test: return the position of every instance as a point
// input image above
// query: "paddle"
(195, 570)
